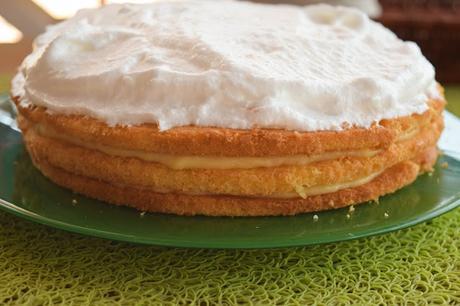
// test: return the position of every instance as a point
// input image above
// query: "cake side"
(285, 189)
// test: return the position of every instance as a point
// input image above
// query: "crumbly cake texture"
(392, 179)
(150, 186)
(193, 140)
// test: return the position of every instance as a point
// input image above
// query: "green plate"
(28, 194)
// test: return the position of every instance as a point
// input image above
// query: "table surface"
(419, 265)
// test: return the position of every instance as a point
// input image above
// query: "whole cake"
(228, 108)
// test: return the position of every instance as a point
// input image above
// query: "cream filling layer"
(304, 192)
(181, 162)
(187, 162)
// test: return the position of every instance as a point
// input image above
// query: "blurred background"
(433, 24)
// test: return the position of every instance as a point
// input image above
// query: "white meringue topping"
(226, 64)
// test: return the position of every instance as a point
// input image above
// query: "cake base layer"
(389, 181)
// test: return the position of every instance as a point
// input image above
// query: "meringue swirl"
(226, 64)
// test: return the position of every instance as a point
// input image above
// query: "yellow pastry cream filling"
(209, 162)
(181, 162)
(304, 192)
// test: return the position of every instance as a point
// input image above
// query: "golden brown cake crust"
(391, 180)
(262, 181)
(407, 147)
(213, 141)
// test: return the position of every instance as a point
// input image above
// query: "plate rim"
(448, 205)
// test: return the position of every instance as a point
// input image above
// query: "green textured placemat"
(420, 265)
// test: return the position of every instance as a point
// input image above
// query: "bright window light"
(8, 33)
(128, 1)
(134, 1)
(61, 9)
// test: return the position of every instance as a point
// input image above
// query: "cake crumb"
(386, 215)
(430, 173)
(348, 216)
(445, 165)
(315, 218)
(351, 209)
(74, 202)
(142, 214)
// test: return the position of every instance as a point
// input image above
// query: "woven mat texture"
(416, 266)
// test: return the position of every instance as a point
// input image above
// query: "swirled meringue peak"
(226, 64)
